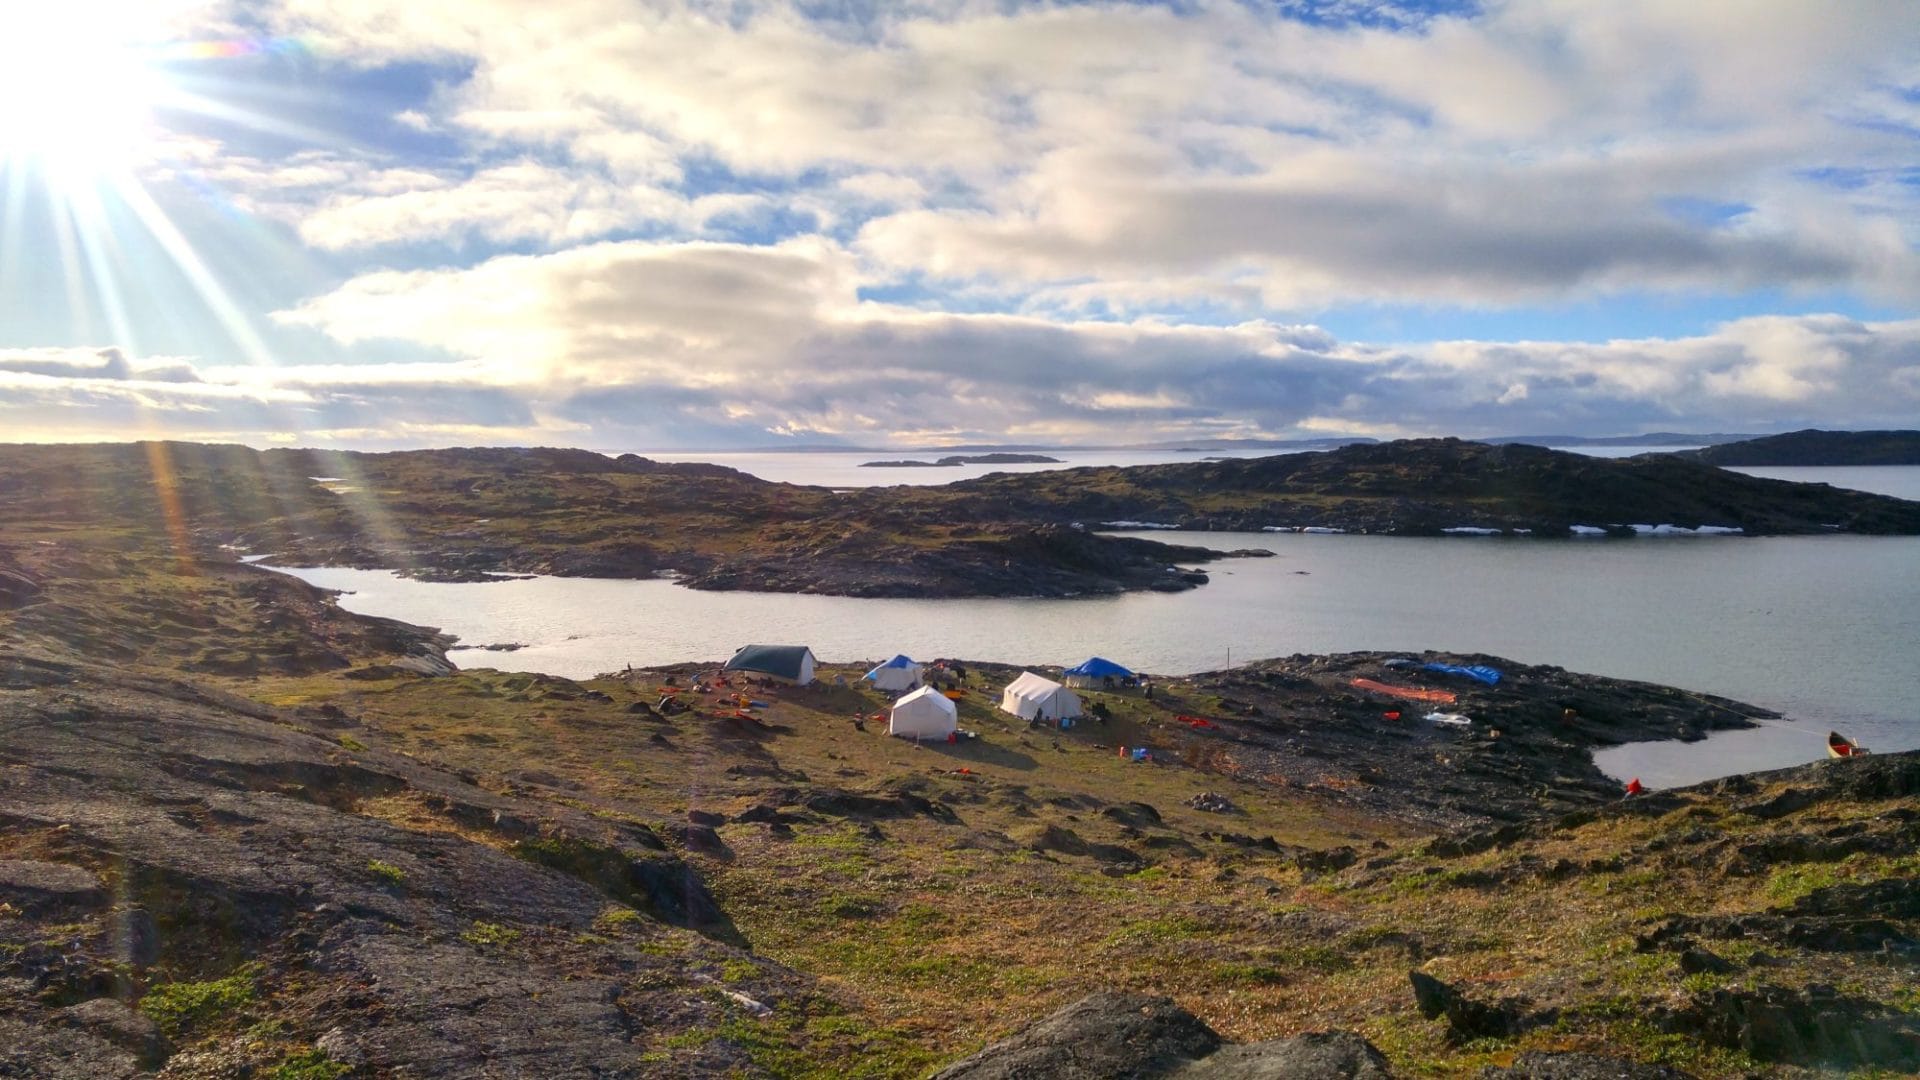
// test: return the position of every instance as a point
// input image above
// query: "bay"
(1821, 629)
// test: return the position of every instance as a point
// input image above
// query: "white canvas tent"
(1030, 695)
(924, 714)
(899, 673)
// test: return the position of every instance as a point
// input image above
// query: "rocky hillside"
(462, 514)
(1422, 487)
(1815, 447)
(331, 854)
(1771, 928)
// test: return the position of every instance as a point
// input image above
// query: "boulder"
(1106, 1036)
(1466, 1018)
(17, 590)
(1126, 1036)
(1320, 1055)
(119, 1024)
(44, 887)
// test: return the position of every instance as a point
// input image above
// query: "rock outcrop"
(179, 840)
(1124, 1036)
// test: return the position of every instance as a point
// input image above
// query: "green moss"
(182, 1006)
(1787, 884)
(850, 906)
(353, 744)
(1321, 958)
(386, 871)
(1704, 982)
(1245, 974)
(309, 1065)
(817, 1048)
(490, 934)
(923, 917)
(618, 918)
(1149, 931)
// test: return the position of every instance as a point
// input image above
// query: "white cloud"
(1111, 218)
(1526, 153)
(524, 201)
(775, 339)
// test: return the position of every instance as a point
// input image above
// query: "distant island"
(1815, 447)
(1651, 438)
(966, 459)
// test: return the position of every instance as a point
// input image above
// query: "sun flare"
(77, 87)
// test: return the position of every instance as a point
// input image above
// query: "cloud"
(1523, 153)
(523, 201)
(88, 364)
(674, 221)
(640, 337)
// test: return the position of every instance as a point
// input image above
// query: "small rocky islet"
(245, 832)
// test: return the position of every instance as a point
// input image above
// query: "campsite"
(779, 892)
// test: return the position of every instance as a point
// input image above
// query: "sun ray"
(166, 489)
(72, 275)
(181, 100)
(100, 245)
(205, 283)
(12, 225)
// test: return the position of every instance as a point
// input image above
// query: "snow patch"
(1682, 530)
(1471, 530)
(1136, 525)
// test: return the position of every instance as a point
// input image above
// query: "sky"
(633, 225)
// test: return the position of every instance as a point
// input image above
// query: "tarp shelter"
(1095, 672)
(787, 663)
(1031, 695)
(924, 714)
(1477, 672)
(899, 673)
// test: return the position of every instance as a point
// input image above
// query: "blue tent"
(898, 662)
(1094, 670)
(1477, 672)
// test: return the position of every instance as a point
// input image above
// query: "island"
(471, 514)
(952, 460)
(246, 832)
(1815, 447)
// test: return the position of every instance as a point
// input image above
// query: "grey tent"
(788, 663)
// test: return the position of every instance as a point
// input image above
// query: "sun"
(77, 85)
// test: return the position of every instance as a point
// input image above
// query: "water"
(842, 469)
(1821, 629)
(1899, 481)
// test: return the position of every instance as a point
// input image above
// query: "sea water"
(1821, 629)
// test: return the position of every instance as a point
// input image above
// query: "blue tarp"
(1480, 672)
(900, 661)
(1099, 668)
